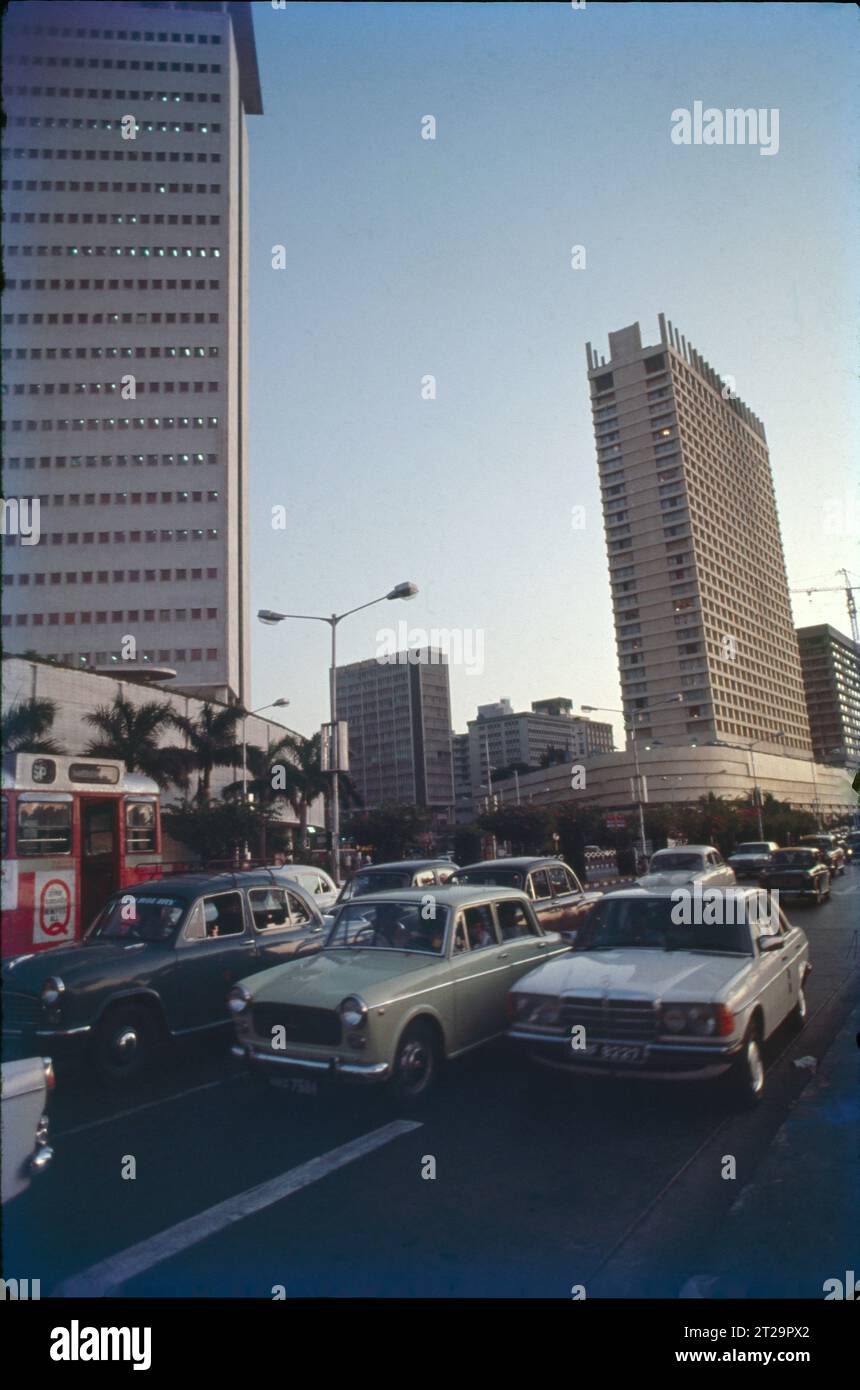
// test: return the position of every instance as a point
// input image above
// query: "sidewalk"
(798, 1223)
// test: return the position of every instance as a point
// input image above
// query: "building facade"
(699, 588)
(500, 736)
(125, 181)
(830, 662)
(398, 714)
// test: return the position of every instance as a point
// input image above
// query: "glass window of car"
(481, 927)
(495, 877)
(424, 878)
(514, 920)
(139, 917)
(44, 827)
(573, 883)
(539, 884)
(139, 827)
(298, 911)
(388, 926)
(618, 922)
(223, 915)
(269, 908)
(671, 859)
(558, 879)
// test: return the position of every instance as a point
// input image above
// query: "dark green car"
(156, 963)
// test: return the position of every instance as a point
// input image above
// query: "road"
(540, 1183)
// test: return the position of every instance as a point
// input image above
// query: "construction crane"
(849, 591)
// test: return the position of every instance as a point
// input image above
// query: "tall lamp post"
(751, 747)
(631, 730)
(405, 590)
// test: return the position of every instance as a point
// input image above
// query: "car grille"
(610, 1018)
(300, 1025)
(20, 1010)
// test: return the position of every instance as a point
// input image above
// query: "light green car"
(405, 980)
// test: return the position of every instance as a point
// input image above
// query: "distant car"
(557, 895)
(688, 865)
(802, 870)
(24, 1149)
(316, 882)
(155, 965)
(749, 858)
(403, 873)
(852, 843)
(395, 991)
(642, 995)
(833, 852)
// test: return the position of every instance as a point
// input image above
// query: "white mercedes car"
(649, 990)
(23, 1123)
(686, 866)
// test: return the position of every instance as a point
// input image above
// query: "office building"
(830, 663)
(696, 564)
(503, 736)
(398, 714)
(125, 194)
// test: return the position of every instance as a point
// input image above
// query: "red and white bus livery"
(74, 830)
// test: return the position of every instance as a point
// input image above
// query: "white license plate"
(623, 1054)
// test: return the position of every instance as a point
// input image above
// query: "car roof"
(458, 896)
(675, 849)
(737, 890)
(412, 864)
(190, 885)
(525, 861)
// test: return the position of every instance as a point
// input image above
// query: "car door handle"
(503, 955)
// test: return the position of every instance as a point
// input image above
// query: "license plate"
(624, 1055)
(295, 1084)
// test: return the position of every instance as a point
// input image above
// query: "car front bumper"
(332, 1065)
(660, 1060)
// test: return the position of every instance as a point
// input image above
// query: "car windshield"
(390, 926)
(819, 841)
(138, 917)
(671, 860)
(499, 878)
(617, 923)
(377, 881)
(753, 847)
(796, 858)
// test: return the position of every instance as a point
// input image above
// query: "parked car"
(750, 857)
(701, 865)
(402, 873)
(400, 985)
(154, 965)
(834, 854)
(321, 887)
(24, 1149)
(558, 897)
(802, 870)
(655, 998)
(852, 843)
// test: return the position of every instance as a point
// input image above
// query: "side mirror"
(771, 943)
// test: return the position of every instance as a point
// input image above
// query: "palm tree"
(305, 780)
(212, 742)
(26, 727)
(131, 732)
(262, 764)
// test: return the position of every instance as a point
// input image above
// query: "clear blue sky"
(407, 257)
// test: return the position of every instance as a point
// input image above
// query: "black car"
(559, 899)
(802, 870)
(832, 851)
(402, 873)
(157, 963)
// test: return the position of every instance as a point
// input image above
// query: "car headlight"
(699, 1019)
(535, 1009)
(674, 1019)
(238, 999)
(353, 1011)
(52, 991)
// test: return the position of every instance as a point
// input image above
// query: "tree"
(211, 739)
(306, 781)
(131, 732)
(271, 780)
(26, 727)
(389, 829)
(526, 828)
(217, 832)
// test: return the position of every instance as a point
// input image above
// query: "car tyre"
(417, 1064)
(126, 1042)
(747, 1074)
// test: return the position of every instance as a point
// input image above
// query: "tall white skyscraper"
(125, 177)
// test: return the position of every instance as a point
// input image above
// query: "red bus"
(74, 830)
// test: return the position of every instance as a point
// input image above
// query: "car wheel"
(800, 1012)
(747, 1074)
(126, 1042)
(417, 1064)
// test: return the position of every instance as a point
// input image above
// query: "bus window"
(139, 827)
(44, 827)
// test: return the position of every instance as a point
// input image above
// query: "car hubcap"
(754, 1067)
(414, 1065)
(125, 1045)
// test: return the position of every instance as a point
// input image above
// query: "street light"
(405, 590)
(777, 734)
(631, 730)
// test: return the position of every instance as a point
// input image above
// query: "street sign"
(334, 752)
(615, 821)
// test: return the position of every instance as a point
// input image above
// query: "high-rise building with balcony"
(830, 662)
(699, 588)
(125, 228)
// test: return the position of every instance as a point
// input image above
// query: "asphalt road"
(541, 1183)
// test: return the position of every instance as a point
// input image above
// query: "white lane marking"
(137, 1109)
(110, 1274)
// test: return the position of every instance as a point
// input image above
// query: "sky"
(407, 257)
